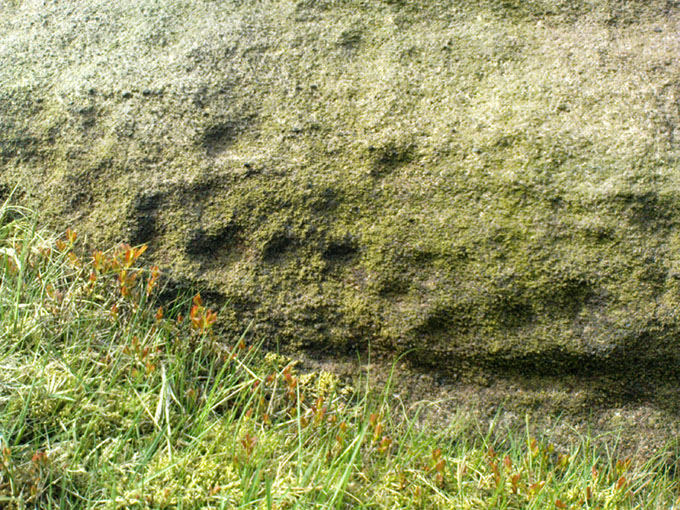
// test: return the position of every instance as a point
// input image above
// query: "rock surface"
(488, 184)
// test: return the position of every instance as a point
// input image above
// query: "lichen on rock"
(485, 182)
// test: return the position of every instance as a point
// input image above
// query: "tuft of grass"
(110, 399)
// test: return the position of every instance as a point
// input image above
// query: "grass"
(109, 399)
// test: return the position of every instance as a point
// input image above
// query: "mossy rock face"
(492, 183)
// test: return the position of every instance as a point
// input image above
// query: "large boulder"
(489, 183)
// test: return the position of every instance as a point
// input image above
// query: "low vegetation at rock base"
(111, 397)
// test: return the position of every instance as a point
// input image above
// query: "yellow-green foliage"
(189, 481)
(320, 384)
